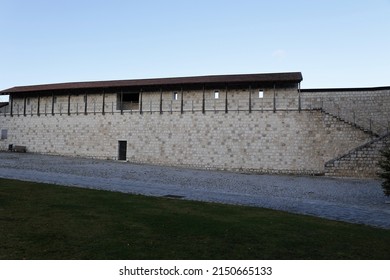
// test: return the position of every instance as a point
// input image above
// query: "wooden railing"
(352, 111)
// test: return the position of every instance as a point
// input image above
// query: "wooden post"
(104, 102)
(203, 101)
(86, 103)
(274, 98)
(299, 97)
(11, 105)
(24, 106)
(68, 104)
(140, 102)
(182, 102)
(250, 99)
(52, 104)
(39, 105)
(160, 101)
(226, 99)
(121, 102)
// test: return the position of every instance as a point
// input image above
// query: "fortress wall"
(359, 105)
(281, 142)
(360, 162)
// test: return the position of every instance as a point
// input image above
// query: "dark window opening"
(129, 101)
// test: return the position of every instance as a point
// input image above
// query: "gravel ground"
(350, 200)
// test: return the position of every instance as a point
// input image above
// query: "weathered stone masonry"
(366, 107)
(359, 162)
(363, 108)
(255, 126)
(288, 142)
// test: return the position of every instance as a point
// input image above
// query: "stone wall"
(250, 137)
(359, 162)
(368, 107)
(281, 142)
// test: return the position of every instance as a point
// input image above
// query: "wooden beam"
(39, 105)
(121, 102)
(104, 102)
(52, 103)
(24, 105)
(250, 99)
(299, 97)
(226, 99)
(274, 98)
(182, 102)
(140, 101)
(68, 104)
(161, 100)
(86, 103)
(11, 105)
(203, 101)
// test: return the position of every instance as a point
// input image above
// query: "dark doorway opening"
(122, 150)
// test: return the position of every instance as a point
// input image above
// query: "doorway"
(122, 150)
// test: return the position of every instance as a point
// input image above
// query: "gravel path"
(350, 200)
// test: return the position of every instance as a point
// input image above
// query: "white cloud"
(279, 54)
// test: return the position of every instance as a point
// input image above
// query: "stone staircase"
(354, 124)
(361, 161)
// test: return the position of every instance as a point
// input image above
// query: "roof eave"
(291, 77)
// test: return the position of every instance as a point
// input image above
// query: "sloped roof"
(292, 77)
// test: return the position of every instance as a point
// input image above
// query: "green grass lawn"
(40, 221)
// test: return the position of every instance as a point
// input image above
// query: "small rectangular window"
(216, 94)
(175, 95)
(4, 134)
(261, 93)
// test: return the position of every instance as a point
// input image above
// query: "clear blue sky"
(334, 43)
